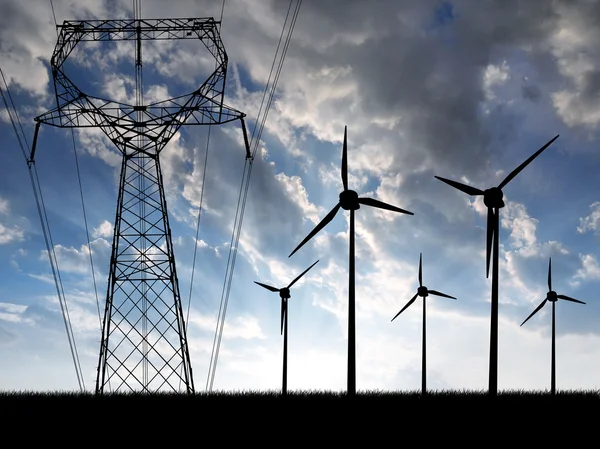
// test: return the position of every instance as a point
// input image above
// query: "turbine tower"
(284, 294)
(423, 292)
(144, 345)
(350, 201)
(552, 297)
(493, 200)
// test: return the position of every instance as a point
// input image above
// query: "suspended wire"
(87, 233)
(41, 208)
(269, 78)
(221, 19)
(233, 247)
(197, 233)
(54, 16)
(72, 336)
(200, 205)
(248, 165)
(12, 120)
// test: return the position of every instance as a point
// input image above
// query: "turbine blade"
(490, 236)
(268, 287)
(550, 274)
(567, 298)
(345, 160)
(301, 274)
(382, 205)
(435, 292)
(517, 170)
(406, 306)
(420, 270)
(535, 311)
(462, 187)
(320, 226)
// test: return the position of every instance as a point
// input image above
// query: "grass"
(316, 396)
(454, 416)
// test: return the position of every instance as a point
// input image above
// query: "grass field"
(319, 418)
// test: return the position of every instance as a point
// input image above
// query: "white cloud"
(589, 270)
(495, 75)
(105, 230)
(592, 221)
(14, 313)
(9, 233)
(522, 228)
(292, 185)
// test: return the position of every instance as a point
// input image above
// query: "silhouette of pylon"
(144, 342)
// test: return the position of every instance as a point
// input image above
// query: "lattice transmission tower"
(144, 342)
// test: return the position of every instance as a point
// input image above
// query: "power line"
(248, 165)
(87, 233)
(41, 208)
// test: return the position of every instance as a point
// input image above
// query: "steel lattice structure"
(144, 341)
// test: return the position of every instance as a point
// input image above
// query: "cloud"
(9, 233)
(589, 270)
(495, 75)
(105, 230)
(590, 223)
(522, 227)
(243, 327)
(13, 313)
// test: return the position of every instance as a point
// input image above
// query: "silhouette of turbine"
(284, 293)
(423, 292)
(492, 198)
(349, 201)
(552, 297)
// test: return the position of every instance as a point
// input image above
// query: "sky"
(463, 90)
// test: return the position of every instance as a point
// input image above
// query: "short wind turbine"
(493, 200)
(349, 201)
(552, 297)
(284, 294)
(423, 292)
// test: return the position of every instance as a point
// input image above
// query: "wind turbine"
(423, 292)
(552, 297)
(349, 201)
(492, 198)
(284, 294)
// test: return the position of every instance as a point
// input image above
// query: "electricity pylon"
(144, 342)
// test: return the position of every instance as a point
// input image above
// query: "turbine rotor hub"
(423, 292)
(285, 293)
(551, 296)
(493, 197)
(349, 200)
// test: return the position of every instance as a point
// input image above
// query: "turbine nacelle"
(493, 197)
(423, 292)
(551, 296)
(284, 293)
(349, 200)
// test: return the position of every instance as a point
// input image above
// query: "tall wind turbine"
(492, 198)
(552, 297)
(423, 292)
(349, 201)
(284, 294)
